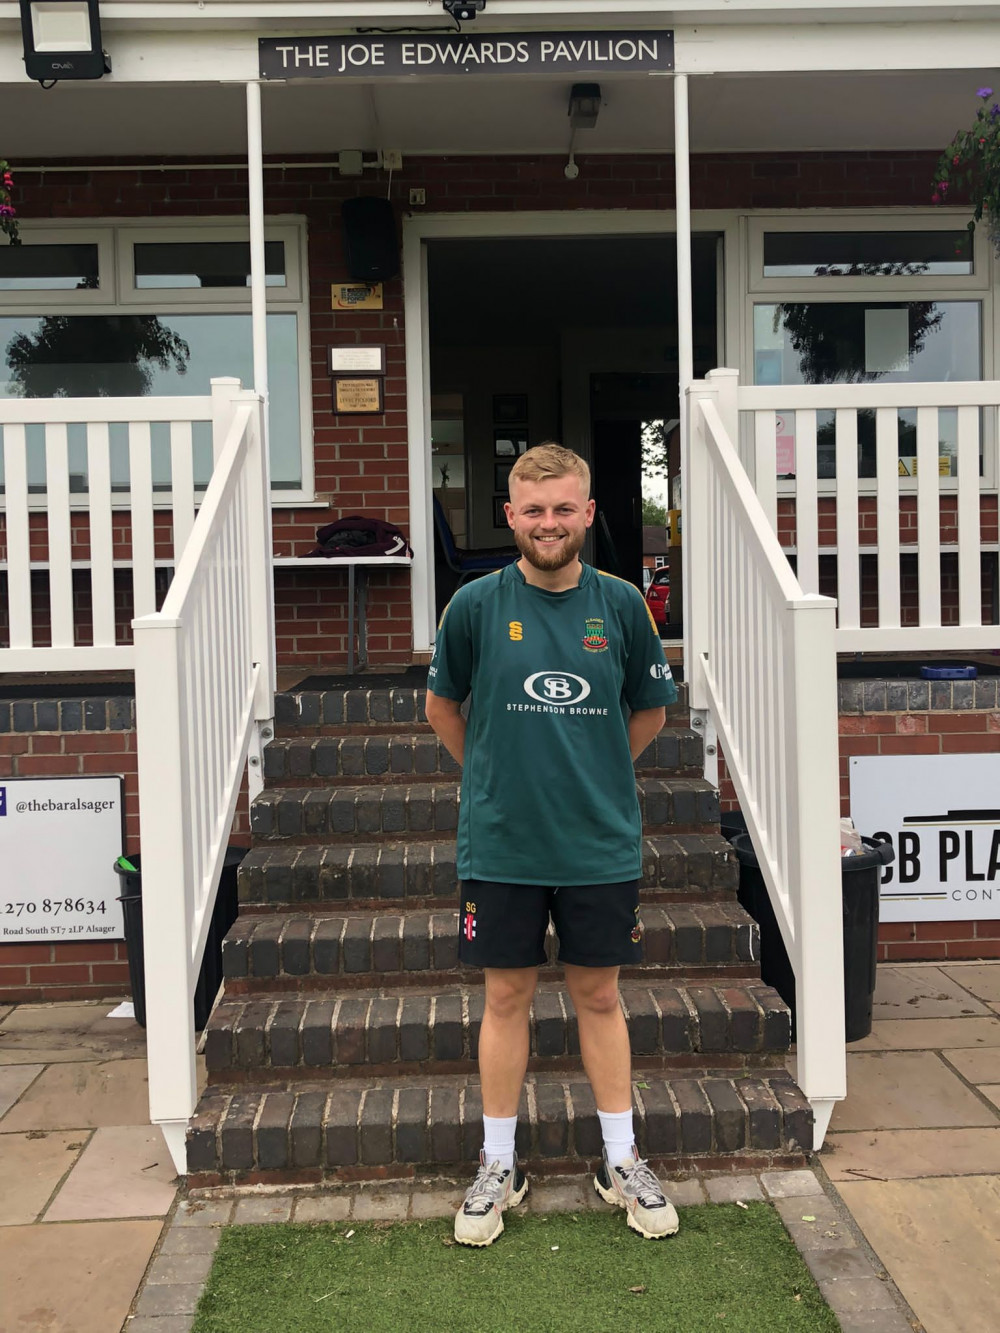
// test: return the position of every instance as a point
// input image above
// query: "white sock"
(498, 1140)
(619, 1137)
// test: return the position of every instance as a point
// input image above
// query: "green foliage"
(728, 1267)
(8, 213)
(972, 161)
(654, 514)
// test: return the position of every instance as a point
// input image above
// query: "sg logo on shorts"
(556, 687)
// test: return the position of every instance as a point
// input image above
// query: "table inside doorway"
(357, 588)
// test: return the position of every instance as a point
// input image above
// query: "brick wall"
(361, 462)
(898, 717)
(71, 737)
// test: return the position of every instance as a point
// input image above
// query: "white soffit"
(793, 112)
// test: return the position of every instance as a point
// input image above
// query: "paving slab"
(381, 1207)
(71, 1096)
(70, 1015)
(31, 1166)
(906, 1090)
(929, 1034)
(123, 1172)
(174, 1299)
(191, 1240)
(814, 1224)
(263, 1208)
(333, 1208)
(992, 1092)
(853, 1295)
(179, 1268)
(562, 1196)
(729, 1189)
(790, 1184)
(982, 979)
(202, 1213)
(169, 1323)
(14, 1079)
(921, 992)
(870, 1321)
(940, 1240)
(87, 1285)
(685, 1193)
(907, 1154)
(430, 1204)
(982, 1066)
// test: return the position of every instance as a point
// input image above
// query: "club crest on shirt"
(594, 640)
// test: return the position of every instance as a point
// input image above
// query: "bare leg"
(504, 1037)
(604, 1043)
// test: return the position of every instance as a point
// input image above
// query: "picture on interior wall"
(501, 476)
(509, 443)
(499, 517)
(512, 407)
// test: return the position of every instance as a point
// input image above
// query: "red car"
(658, 597)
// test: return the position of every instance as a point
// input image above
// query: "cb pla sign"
(942, 815)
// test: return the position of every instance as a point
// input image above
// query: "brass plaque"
(357, 394)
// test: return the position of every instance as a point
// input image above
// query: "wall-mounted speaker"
(371, 250)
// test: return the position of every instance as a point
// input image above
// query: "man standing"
(568, 686)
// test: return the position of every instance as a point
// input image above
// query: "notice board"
(59, 840)
(942, 815)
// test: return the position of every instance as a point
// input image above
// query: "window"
(172, 312)
(850, 303)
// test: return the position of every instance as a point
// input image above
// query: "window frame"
(46, 300)
(118, 293)
(976, 286)
(936, 283)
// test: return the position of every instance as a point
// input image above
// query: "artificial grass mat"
(728, 1267)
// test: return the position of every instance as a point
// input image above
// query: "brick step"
(690, 866)
(375, 1128)
(290, 951)
(437, 1029)
(359, 710)
(409, 756)
(431, 808)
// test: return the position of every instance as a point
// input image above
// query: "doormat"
(413, 678)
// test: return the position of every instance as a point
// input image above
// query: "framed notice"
(358, 394)
(59, 840)
(356, 359)
(942, 815)
(499, 513)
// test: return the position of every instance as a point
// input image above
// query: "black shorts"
(504, 925)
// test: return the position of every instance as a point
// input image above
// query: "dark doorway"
(620, 405)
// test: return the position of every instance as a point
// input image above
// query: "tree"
(654, 514)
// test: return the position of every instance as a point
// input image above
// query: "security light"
(62, 40)
(463, 10)
(584, 105)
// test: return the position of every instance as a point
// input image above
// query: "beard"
(540, 558)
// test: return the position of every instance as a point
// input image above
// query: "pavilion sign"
(394, 54)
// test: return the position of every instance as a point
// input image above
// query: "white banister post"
(814, 862)
(166, 890)
(697, 542)
(224, 391)
(727, 382)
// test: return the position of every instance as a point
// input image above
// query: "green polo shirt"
(548, 785)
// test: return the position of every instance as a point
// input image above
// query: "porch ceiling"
(856, 111)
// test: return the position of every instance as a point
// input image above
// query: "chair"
(466, 564)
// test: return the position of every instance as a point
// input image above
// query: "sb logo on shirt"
(515, 631)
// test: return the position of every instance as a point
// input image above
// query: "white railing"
(905, 524)
(204, 673)
(62, 532)
(761, 664)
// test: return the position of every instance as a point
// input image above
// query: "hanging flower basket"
(971, 163)
(8, 213)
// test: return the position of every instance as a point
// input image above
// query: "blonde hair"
(549, 460)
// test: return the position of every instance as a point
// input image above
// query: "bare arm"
(642, 727)
(448, 724)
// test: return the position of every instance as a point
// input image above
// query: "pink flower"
(935, 198)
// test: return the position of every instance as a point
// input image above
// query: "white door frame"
(420, 228)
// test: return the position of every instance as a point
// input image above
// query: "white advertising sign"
(942, 814)
(59, 840)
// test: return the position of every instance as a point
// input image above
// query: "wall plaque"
(357, 394)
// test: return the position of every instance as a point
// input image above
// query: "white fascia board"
(229, 55)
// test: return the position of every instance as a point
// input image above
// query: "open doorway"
(567, 338)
